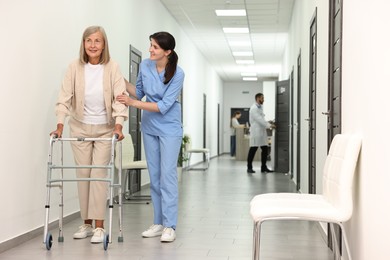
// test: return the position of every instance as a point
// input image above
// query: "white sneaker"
(153, 231)
(83, 232)
(168, 235)
(98, 235)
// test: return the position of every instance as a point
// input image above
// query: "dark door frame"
(298, 125)
(282, 133)
(335, 85)
(135, 58)
(291, 126)
(312, 103)
(204, 123)
(218, 128)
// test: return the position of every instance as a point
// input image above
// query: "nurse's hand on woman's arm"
(131, 102)
(130, 88)
(126, 100)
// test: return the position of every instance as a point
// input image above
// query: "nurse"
(160, 80)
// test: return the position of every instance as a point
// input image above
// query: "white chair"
(189, 151)
(334, 206)
(128, 167)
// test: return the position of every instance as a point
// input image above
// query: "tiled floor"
(214, 224)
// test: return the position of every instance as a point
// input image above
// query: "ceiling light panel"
(249, 78)
(237, 12)
(265, 18)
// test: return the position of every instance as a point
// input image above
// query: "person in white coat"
(258, 134)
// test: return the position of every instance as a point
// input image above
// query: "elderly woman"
(88, 95)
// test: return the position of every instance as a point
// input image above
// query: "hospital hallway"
(213, 224)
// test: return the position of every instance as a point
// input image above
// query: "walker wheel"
(105, 241)
(49, 241)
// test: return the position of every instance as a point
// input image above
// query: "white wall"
(269, 91)
(242, 94)
(236, 94)
(203, 80)
(299, 39)
(365, 108)
(40, 38)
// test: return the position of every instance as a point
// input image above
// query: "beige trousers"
(92, 194)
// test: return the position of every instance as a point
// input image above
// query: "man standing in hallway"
(258, 134)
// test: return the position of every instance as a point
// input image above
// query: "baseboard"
(34, 233)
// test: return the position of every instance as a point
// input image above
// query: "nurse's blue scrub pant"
(161, 155)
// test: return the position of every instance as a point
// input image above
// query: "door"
(218, 127)
(312, 103)
(204, 124)
(298, 124)
(135, 118)
(244, 119)
(282, 133)
(291, 125)
(334, 99)
(334, 90)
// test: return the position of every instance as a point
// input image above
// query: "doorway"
(244, 119)
(334, 89)
(298, 124)
(282, 133)
(135, 119)
(291, 124)
(204, 124)
(312, 103)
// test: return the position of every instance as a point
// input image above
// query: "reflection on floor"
(214, 224)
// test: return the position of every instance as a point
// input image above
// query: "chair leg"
(189, 161)
(335, 244)
(208, 159)
(256, 240)
(204, 154)
(344, 235)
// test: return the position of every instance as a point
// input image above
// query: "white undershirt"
(94, 108)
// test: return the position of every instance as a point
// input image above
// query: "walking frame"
(59, 182)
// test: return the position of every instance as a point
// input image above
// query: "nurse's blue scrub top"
(150, 83)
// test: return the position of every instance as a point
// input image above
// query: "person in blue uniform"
(160, 80)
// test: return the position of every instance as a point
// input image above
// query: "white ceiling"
(268, 22)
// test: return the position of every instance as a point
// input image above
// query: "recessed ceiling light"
(242, 53)
(235, 30)
(239, 12)
(245, 61)
(249, 78)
